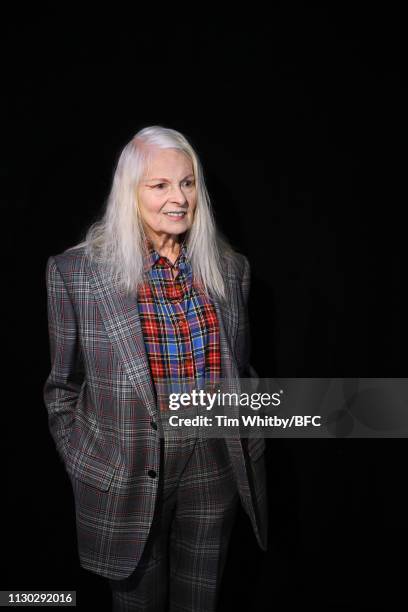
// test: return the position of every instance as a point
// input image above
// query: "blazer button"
(153, 425)
(152, 473)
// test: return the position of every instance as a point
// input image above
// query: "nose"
(177, 196)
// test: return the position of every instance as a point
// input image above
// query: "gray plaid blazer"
(102, 411)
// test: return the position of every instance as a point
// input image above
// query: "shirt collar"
(151, 258)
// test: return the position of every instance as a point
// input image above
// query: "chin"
(177, 228)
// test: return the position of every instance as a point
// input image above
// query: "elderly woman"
(153, 295)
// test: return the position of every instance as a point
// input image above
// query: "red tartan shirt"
(180, 326)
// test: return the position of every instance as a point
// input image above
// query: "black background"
(297, 116)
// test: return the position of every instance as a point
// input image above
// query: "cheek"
(150, 207)
(155, 209)
(153, 217)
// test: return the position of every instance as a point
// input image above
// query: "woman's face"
(168, 186)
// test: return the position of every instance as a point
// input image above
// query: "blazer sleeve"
(62, 387)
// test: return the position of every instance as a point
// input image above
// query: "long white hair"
(118, 239)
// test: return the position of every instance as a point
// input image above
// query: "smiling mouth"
(176, 214)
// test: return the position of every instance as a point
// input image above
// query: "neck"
(167, 246)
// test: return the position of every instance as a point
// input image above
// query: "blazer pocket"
(94, 471)
(256, 448)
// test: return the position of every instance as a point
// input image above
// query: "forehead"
(164, 162)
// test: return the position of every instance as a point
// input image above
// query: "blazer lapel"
(120, 315)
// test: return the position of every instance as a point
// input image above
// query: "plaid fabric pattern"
(102, 408)
(185, 553)
(180, 326)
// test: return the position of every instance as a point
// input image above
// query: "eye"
(189, 183)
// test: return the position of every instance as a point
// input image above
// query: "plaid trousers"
(182, 564)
